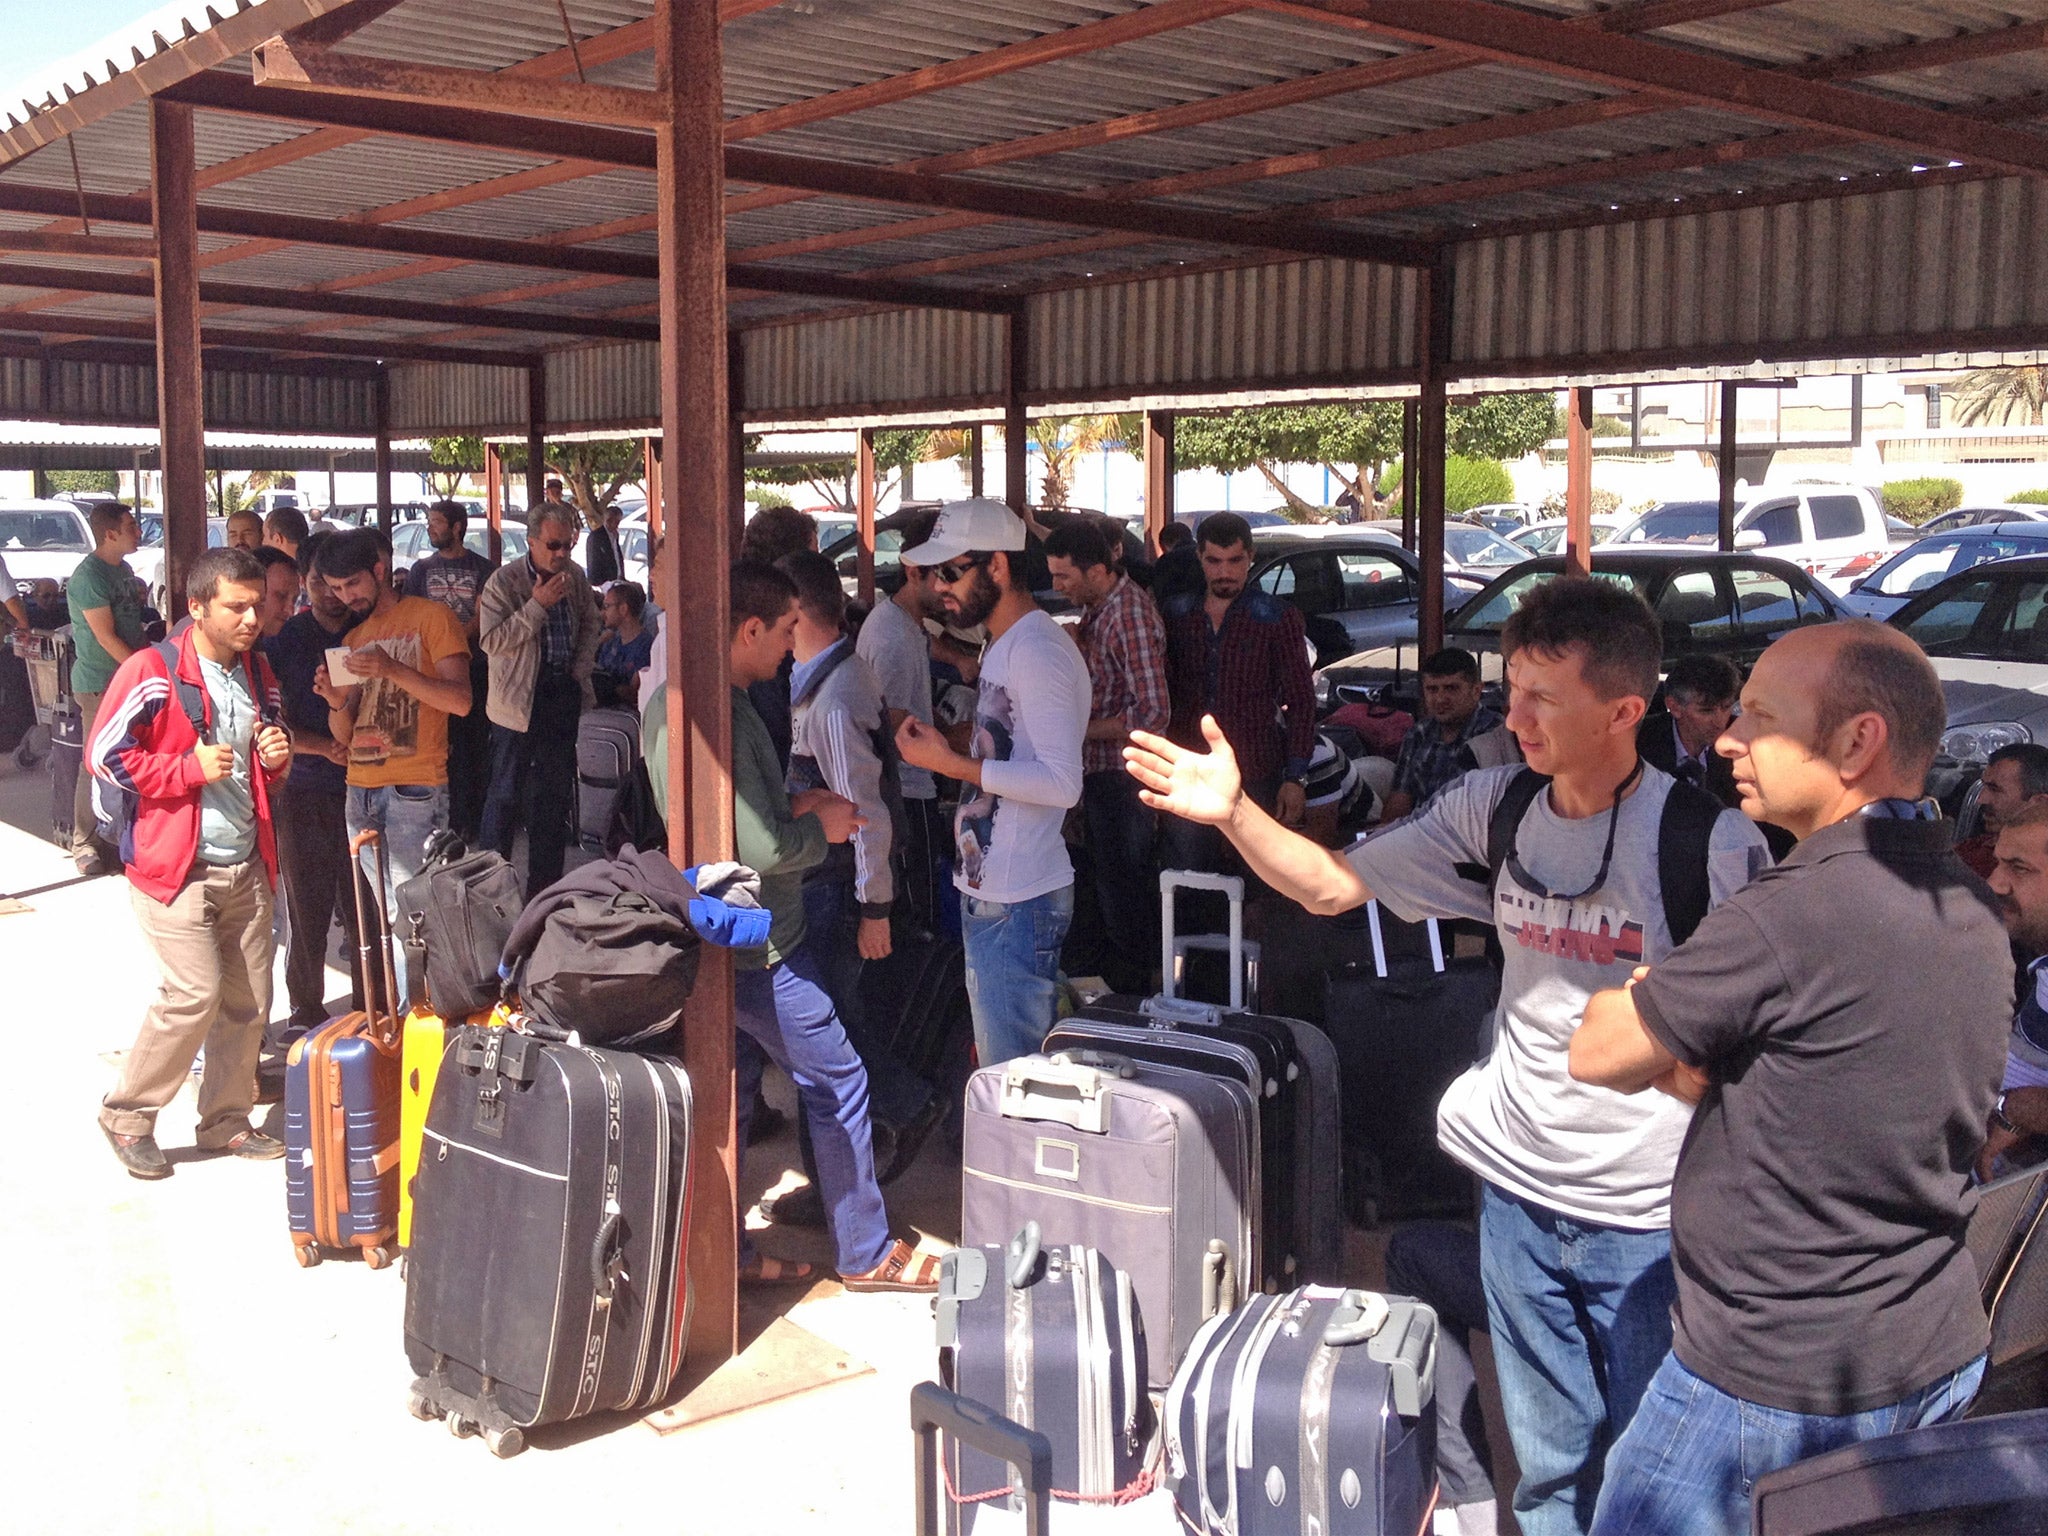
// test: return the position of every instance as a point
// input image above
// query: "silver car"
(1928, 562)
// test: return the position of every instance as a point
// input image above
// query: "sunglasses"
(956, 570)
(553, 548)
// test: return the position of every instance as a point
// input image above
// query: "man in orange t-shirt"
(411, 662)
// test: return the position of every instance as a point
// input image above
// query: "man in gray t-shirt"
(892, 641)
(1574, 1229)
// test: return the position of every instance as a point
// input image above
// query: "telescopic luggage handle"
(386, 1031)
(1172, 880)
(933, 1408)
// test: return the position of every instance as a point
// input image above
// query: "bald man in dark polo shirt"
(1841, 1024)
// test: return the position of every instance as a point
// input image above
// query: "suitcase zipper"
(460, 1146)
(1067, 1194)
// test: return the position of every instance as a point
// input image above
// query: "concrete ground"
(172, 1370)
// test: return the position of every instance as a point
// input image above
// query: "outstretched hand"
(1196, 786)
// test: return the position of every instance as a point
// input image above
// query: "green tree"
(453, 458)
(77, 481)
(1470, 483)
(1062, 441)
(1996, 395)
(831, 479)
(1502, 426)
(593, 473)
(1352, 442)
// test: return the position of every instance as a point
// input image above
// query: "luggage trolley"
(48, 654)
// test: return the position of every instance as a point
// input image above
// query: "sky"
(40, 32)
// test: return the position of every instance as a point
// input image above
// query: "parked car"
(1729, 605)
(1986, 630)
(1933, 560)
(409, 543)
(42, 538)
(1355, 593)
(1547, 537)
(1835, 532)
(632, 549)
(1985, 512)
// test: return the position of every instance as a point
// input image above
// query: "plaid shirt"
(558, 640)
(1245, 673)
(1124, 644)
(1427, 762)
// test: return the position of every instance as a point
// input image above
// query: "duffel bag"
(455, 916)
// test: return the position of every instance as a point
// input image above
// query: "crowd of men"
(1718, 1154)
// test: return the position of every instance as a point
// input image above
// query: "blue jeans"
(1689, 1458)
(1013, 969)
(1581, 1318)
(784, 1014)
(405, 816)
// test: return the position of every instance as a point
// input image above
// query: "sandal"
(786, 1271)
(903, 1268)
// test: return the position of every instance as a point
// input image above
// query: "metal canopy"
(1183, 199)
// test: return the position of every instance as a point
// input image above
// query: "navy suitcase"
(1052, 1337)
(546, 1278)
(1311, 1411)
(341, 1113)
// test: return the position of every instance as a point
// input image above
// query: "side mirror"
(1750, 538)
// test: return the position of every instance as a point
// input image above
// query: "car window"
(56, 532)
(1680, 522)
(1692, 610)
(1778, 523)
(1372, 581)
(1278, 580)
(1490, 609)
(1478, 546)
(1994, 618)
(1918, 568)
(1836, 517)
(1767, 602)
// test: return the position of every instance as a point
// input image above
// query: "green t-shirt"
(96, 584)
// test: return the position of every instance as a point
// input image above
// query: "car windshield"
(52, 532)
(1540, 541)
(1997, 617)
(1487, 612)
(1476, 546)
(1932, 560)
(1676, 522)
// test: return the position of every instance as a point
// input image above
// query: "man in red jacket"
(188, 743)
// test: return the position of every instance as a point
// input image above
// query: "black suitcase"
(1312, 1411)
(546, 1278)
(67, 761)
(17, 700)
(1051, 1337)
(1404, 1029)
(1289, 1067)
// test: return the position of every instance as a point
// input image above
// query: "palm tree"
(1996, 395)
(1062, 440)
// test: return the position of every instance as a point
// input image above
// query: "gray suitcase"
(1051, 1337)
(607, 751)
(1155, 1166)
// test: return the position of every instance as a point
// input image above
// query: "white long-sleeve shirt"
(1029, 718)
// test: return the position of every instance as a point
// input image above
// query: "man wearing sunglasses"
(1576, 1180)
(1016, 883)
(538, 622)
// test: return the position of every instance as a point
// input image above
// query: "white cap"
(968, 527)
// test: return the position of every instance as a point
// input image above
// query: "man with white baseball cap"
(1016, 883)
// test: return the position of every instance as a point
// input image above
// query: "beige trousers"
(82, 831)
(213, 944)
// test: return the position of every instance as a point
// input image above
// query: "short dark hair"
(310, 547)
(1878, 671)
(454, 511)
(350, 553)
(1224, 528)
(202, 582)
(2033, 760)
(249, 512)
(1173, 535)
(818, 591)
(777, 531)
(268, 555)
(916, 529)
(759, 591)
(106, 518)
(1452, 661)
(1707, 678)
(287, 523)
(1080, 540)
(1613, 630)
(629, 593)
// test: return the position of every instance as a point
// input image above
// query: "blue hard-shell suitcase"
(341, 1110)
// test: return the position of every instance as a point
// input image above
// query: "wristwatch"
(2000, 1119)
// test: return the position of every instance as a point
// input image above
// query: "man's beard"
(448, 544)
(980, 601)
(1224, 591)
(363, 609)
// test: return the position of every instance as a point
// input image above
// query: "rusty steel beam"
(180, 382)
(43, 242)
(222, 338)
(279, 62)
(1930, 53)
(342, 23)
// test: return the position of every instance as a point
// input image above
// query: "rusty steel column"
(736, 434)
(650, 468)
(383, 434)
(180, 383)
(1016, 445)
(975, 436)
(690, 228)
(494, 500)
(1158, 476)
(1726, 466)
(536, 439)
(1411, 427)
(1578, 482)
(864, 515)
(1434, 346)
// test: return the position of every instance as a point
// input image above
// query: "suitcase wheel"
(460, 1427)
(306, 1254)
(378, 1258)
(421, 1407)
(506, 1442)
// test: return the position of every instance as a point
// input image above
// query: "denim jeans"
(784, 1014)
(1692, 1453)
(405, 815)
(1013, 969)
(1581, 1319)
(533, 778)
(1438, 1262)
(1121, 833)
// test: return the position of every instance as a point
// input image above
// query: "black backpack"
(1684, 836)
(456, 914)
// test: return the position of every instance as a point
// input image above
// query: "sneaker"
(255, 1146)
(140, 1155)
(803, 1206)
(88, 865)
